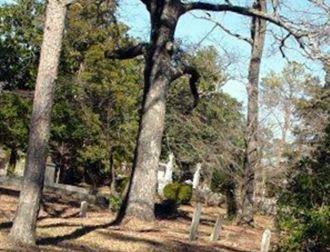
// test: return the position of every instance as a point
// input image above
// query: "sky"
(192, 30)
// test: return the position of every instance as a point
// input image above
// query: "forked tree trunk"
(24, 226)
(258, 29)
(141, 197)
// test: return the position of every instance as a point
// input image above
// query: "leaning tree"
(161, 69)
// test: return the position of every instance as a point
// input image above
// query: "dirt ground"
(61, 229)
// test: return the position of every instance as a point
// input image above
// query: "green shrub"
(170, 191)
(179, 193)
(185, 193)
(114, 203)
(304, 206)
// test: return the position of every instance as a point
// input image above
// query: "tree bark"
(140, 200)
(326, 65)
(12, 161)
(24, 226)
(231, 200)
(258, 29)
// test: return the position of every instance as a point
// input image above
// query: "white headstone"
(265, 242)
(197, 175)
(169, 169)
(165, 174)
(83, 208)
(193, 232)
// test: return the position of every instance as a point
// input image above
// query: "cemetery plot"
(60, 228)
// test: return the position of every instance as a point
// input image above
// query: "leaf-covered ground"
(61, 229)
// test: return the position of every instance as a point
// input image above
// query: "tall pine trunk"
(258, 30)
(140, 200)
(24, 226)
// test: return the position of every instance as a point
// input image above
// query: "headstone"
(57, 181)
(195, 222)
(3, 171)
(169, 169)
(197, 175)
(49, 174)
(216, 230)
(265, 241)
(164, 174)
(83, 209)
(160, 180)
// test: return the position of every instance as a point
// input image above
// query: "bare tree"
(258, 31)
(24, 226)
(251, 155)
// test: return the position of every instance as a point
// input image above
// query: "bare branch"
(218, 24)
(194, 78)
(128, 52)
(251, 12)
(283, 44)
(21, 93)
(205, 37)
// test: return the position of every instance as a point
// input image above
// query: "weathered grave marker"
(216, 230)
(197, 175)
(195, 222)
(58, 174)
(265, 241)
(164, 175)
(49, 174)
(83, 208)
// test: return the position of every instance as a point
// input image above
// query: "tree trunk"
(258, 28)
(24, 226)
(140, 200)
(231, 200)
(326, 65)
(12, 161)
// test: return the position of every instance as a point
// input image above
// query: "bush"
(185, 193)
(304, 206)
(179, 193)
(114, 203)
(170, 191)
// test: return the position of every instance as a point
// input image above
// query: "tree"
(258, 31)
(102, 95)
(94, 119)
(161, 69)
(214, 126)
(14, 117)
(21, 35)
(279, 96)
(24, 225)
(213, 131)
(304, 204)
